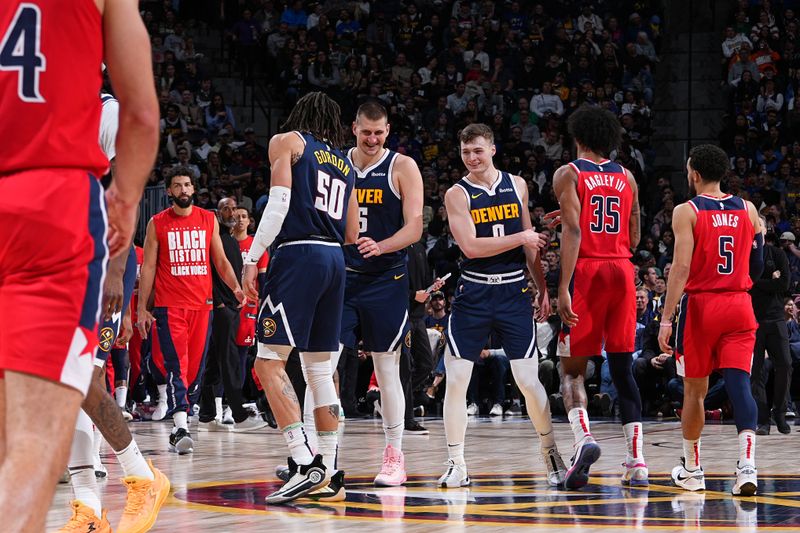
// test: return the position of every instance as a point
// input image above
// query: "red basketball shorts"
(53, 258)
(604, 298)
(714, 331)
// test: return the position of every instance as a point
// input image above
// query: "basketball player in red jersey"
(179, 245)
(596, 294)
(718, 251)
(52, 264)
(246, 335)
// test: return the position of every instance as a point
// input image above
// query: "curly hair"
(318, 114)
(595, 129)
(178, 170)
(710, 161)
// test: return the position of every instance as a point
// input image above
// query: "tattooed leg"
(279, 391)
(105, 413)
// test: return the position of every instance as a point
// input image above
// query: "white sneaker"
(555, 467)
(251, 423)
(227, 416)
(455, 476)
(214, 425)
(126, 415)
(472, 409)
(693, 480)
(497, 410)
(586, 454)
(160, 412)
(746, 480)
(635, 475)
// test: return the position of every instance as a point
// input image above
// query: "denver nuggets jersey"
(322, 181)
(380, 214)
(606, 203)
(495, 212)
(723, 240)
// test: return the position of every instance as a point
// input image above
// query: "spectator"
(547, 102)
(218, 115)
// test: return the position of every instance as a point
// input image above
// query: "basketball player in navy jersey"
(718, 252)
(389, 191)
(311, 213)
(488, 213)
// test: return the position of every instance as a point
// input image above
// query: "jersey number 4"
(605, 214)
(725, 266)
(20, 51)
(330, 195)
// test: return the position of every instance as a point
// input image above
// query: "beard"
(183, 201)
(229, 223)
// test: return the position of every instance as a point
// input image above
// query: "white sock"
(459, 372)
(162, 394)
(218, 408)
(393, 399)
(526, 374)
(456, 453)
(691, 454)
(132, 462)
(747, 448)
(97, 441)
(121, 395)
(181, 420)
(579, 422)
(328, 446)
(309, 425)
(633, 440)
(297, 440)
(84, 487)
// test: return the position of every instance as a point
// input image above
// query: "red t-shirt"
(50, 77)
(606, 202)
(723, 240)
(183, 268)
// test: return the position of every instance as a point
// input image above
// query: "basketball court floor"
(221, 487)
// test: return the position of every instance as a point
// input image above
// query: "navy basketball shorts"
(499, 305)
(375, 309)
(109, 329)
(303, 295)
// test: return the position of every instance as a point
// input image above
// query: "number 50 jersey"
(606, 201)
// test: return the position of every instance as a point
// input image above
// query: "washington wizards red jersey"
(606, 202)
(51, 53)
(723, 240)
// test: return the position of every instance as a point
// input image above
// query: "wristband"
(665, 325)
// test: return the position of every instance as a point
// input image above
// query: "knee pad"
(526, 374)
(319, 378)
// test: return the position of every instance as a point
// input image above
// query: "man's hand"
(437, 285)
(533, 240)
(368, 247)
(664, 333)
(485, 354)
(553, 218)
(249, 275)
(144, 322)
(240, 297)
(125, 330)
(568, 316)
(121, 221)
(543, 306)
(776, 274)
(113, 291)
(421, 296)
(659, 360)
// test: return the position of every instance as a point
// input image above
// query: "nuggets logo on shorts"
(105, 337)
(408, 340)
(269, 327)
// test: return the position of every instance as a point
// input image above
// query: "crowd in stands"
(521, 67)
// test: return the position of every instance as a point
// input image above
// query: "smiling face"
(477, 154)
(370, 134)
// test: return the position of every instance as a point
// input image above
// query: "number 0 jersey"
(50, 78)
(496, 212)
(322, 181)
(606, 201)
(723, 240)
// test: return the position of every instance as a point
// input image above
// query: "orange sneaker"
(84, 520)
(145, 498)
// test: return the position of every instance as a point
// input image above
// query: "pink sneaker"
(393, 471)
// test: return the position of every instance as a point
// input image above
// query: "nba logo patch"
(269, 327)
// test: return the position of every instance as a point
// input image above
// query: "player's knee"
(319, 378)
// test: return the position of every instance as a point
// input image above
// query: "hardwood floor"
(221, 487)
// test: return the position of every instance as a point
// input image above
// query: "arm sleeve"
(757, 257)
(271, 223)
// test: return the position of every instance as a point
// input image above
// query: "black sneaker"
(285, 472)
(180, 442)
(307, 478)
(762, 430)
(414, 427)
(780, 422)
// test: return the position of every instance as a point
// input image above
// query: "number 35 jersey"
(50, 77)
(322, 181)
(606, 201)
(723, 240)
